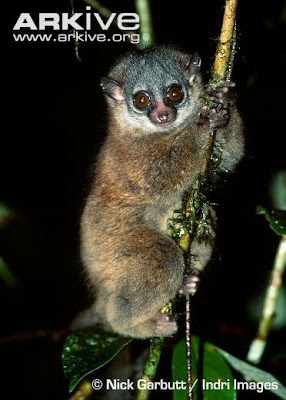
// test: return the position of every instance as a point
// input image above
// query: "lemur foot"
(222, 96)
(190, 283)
(224, 93)
(166, 325)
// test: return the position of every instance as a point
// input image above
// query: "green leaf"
(276, 218)
(6, 275)
(251, 373)
(214, 369)
(6, 215)
(87, 350)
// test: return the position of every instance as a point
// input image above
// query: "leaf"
(214, 369)
(6, 215)
(251, 373)
(276, 218)
(6, 275)
(87, 350)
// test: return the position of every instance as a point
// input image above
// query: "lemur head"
(155, 90)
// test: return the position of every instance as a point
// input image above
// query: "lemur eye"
(175, 93)
(141, 100)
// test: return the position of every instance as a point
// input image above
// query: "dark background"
(54, 118)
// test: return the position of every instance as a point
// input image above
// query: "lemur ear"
(193, 67)
(112, 88)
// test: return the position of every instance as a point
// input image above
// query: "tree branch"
(104, 11)
(223, 65)
(223, 51)
(151, 365)
(193, 212)
(257, 346)
(76, 44)
(146, 27)
(144, 12)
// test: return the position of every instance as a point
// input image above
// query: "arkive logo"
(79, 27)
(77, 21)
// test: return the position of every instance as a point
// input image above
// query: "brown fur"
(133, 267)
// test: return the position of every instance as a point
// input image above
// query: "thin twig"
(257, 346)
(188, 314)
(222, 69)
(146, 27)
(76, 43)
(219, 70)
(151, 365)
(189, 346)
(104, 11)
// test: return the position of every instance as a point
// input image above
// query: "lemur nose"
(162, 114)
(163, 117)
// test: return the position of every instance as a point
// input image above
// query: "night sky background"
(54, 119)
